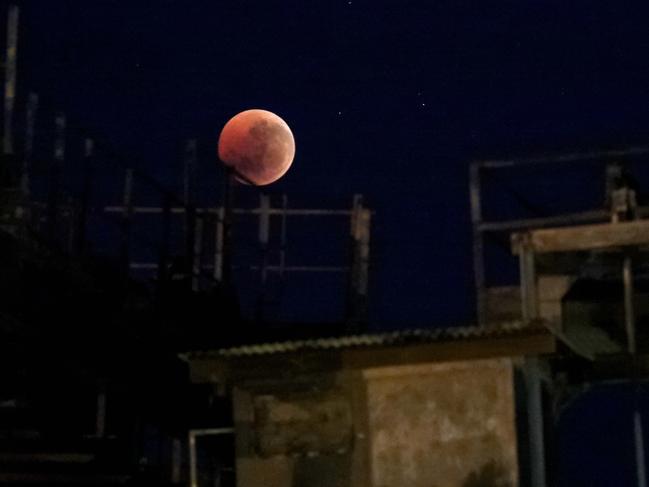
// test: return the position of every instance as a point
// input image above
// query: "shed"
(424, 408)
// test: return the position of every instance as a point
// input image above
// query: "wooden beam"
(585, 237)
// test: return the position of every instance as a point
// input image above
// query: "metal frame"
(360, 218)
(611, 236)
(536, 235)
(197, 218)
(483, 228)
(192, 435)
(571, 239)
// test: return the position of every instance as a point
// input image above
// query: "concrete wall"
(443, 425)
(432, 425)
(288, 436)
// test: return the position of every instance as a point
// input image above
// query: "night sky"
(388, 99)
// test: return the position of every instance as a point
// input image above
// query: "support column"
(639, 448)
(218, 243)
(263, 238)
(127, 204)
(535, 422)
(56, 169)
(88, 168)
(189, 188)
(30, 124)
(197, 255)
(478, 243)
(527, 268)
(163, 252)
(359, 271)
(629, 312)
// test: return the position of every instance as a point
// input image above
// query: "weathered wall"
(290, 436)
(302, 424)
(443, 425)
(433, 425)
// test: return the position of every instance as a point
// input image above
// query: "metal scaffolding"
(484, 228)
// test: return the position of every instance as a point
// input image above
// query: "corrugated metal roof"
(401, 337)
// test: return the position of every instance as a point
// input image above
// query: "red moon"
(258, 145)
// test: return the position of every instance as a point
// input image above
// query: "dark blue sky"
(386, 98)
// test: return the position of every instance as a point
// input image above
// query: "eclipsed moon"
(258, 146)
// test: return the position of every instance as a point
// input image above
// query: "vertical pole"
(353, 266)
(478, 242)
(55, 175)
(189, 187)
(527, 267)
(352, 305)
(163, 254)
(218, 244)
(263, 236)
(639, 448)
(360, 224)
(282, 241)
(28, 152)
(629, 321)
(190, 239)
(176, 455)
(535, 421)
(88, 149)
(59, 143)
(71, 214)
(10, 79)
(228, 216)
(30, 125)
(193, 474)
(127, 205)
(365, 218)
(264, 233)
(629, 311)
(189, 172)
(100, 426)
(197, 255)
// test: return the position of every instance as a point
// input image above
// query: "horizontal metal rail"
(573, 157)
(238, 211)
(270, 268)
(211, 432)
